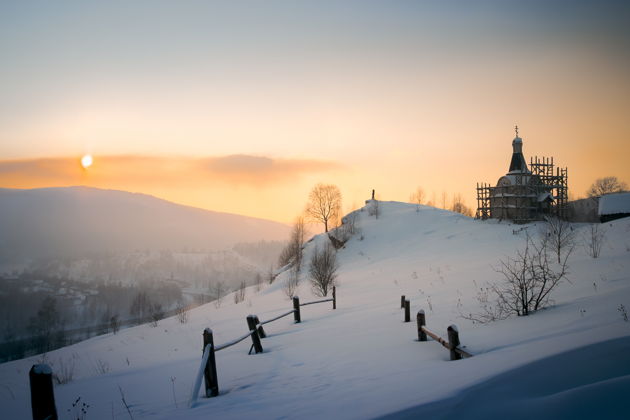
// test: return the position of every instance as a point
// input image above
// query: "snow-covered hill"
(361, 361)
(80, 221)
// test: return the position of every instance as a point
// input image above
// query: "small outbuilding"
(614, 206)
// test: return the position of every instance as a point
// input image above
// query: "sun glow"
(86, 161)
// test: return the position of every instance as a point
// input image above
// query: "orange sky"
(244, 109)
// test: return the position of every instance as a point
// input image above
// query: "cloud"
(260, 170)
(136, 170)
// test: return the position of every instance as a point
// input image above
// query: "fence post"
(210, 372)
(453, 342)
(251, 324)
(334, 297)
(261, 331)
(42, 395)
(407, 311)
(296, 309)
(402, 301)
(422, 336)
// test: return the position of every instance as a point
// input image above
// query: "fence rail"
(452, 344)
(208, 368)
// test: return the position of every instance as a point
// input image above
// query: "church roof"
(518, 163)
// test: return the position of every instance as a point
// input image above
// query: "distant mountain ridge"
(77, 221)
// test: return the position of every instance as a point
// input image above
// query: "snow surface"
(614, 204)
(361, 360)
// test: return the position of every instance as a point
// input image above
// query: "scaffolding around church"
(543, 190)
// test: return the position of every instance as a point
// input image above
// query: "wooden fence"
(208, 367)
(451, 344)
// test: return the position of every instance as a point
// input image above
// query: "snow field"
(360, 361)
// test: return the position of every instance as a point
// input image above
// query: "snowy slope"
(362, 361)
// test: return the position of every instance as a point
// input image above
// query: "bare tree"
(323, 269)
(271, 276)
(418, 196)
(157, 313)
(324, 204)
(291, 283)
(606, 185)
(182, 313)
(595, 240)
(460, 207)
(444, 200)
(528, 280)
(114, 324)
(219, 293)
(258, 282)
(559, 234)
(292, 252)
(239, 292)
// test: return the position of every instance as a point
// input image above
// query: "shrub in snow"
(292, 252)
(595, 240)
(560, 234)
(182, 313)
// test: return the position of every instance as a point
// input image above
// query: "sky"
(243, 107)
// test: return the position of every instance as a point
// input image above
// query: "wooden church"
(524, 194)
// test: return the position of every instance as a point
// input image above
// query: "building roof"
(614, 204)
(518, 164)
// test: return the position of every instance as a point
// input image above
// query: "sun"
(86, 161)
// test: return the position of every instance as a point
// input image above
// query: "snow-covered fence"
(453, 337)
(208, 367)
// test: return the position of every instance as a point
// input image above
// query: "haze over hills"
(82, 221)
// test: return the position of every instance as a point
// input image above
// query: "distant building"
(614, 206)
(524, 194)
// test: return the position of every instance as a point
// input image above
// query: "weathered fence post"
(422, 336)
(42, 395)
(210, 371)
(334, 297)
(251, 324)
(296, 309)
(407, 311)
(453, 342)
(402, 301)
(261, 331)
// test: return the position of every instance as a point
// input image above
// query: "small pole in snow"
(407, 311)
(296, 310)
(42, 395)
(334, 293)
(402, 301)
(210, 371)
(453, 342)
(422, 336)
(373, 194)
